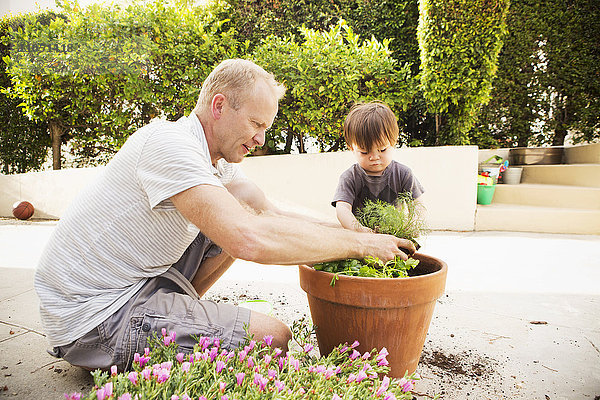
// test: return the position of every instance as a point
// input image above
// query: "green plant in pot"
(405, 220)
(380, 304)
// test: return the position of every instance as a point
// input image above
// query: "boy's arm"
(344, 214)
(248, 193)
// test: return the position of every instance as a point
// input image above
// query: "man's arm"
(274, 239)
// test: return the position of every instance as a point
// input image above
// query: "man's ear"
(217, 105)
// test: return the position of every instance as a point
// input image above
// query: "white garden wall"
(304, 183)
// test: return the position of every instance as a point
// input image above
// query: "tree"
(24, 143)
(459, 41)
(325, 74)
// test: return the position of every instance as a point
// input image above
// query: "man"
(168, 215)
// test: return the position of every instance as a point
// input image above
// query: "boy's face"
(374, 161)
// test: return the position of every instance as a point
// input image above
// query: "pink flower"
(179, 357)
(146, 351)
(133, 377)
(164, 331)
(185, 397)
(163, 375)
(202, 398)
(383, 362)
(267, 358)
(230, 355)
(279, 385)
(262, 383)
(250, 362)
(277, 352)
(331, 372)
(366, 356)
(219, 367)
(343, 349)
(167, 365)
(173, 335)
(213, 353)
(389, 396)
(125, 396)
(108, 389)
(252, 344)
(385, 384)
(295, 363)
(167, 340)
(143, 360)
(272, 374)
(351, 378)
(136, 357)
(222, 386)
(217, 342)
(146, 373)
(308, 347)
(281, 362)
(113, 370)
(268, 339)
(204, 342)
(336, 397)
(101, 393)
(224, 397)
(355, 354)
(407, 385)
(73, 396)
(174, 397)
(240, 377)
(242, 354)
(381, 357)
(355, 344)
(185, 367)
(361, 375)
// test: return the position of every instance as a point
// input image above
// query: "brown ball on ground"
(23, 210)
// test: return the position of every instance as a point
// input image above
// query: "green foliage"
(459, 41)
(100, 73)
(370, 267)
(405, 219)
(325, 75)
(24, 143)
(547, 81)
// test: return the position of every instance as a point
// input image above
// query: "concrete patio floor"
(520, 318)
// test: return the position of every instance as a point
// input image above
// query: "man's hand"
(387, 247)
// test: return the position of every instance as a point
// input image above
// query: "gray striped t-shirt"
(123, 228)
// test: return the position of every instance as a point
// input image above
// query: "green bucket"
(485, 193)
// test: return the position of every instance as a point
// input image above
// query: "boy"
(371, 133)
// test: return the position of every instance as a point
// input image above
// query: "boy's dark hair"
(370, 124)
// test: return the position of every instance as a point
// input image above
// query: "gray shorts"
(160, 303)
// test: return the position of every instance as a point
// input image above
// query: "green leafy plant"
(254, 371)
(370, 267)
(404, 220)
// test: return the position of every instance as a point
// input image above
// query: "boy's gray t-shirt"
(355, 186)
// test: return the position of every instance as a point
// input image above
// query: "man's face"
(374, 161)
(237, 132)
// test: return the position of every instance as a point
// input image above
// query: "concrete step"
(563, 174)
(519, 218)
(561, 196)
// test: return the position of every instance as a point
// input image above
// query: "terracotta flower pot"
(378, 312)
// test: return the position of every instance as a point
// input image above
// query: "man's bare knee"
(262, 325)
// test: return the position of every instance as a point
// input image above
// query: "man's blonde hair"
(370, 124)
(235, 79)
